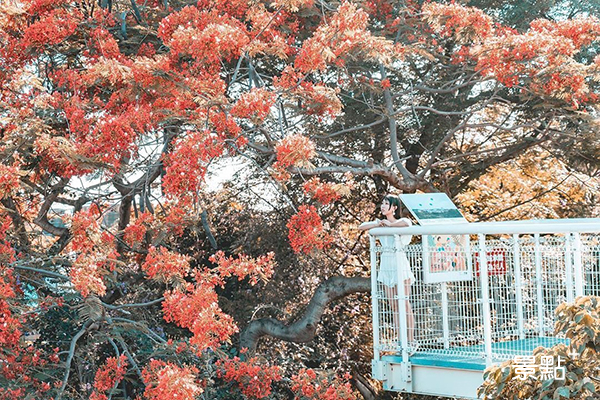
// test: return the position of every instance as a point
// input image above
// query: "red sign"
(496, 262)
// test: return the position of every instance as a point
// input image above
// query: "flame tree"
(112, 113)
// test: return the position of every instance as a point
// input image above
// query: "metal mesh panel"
(591, 264)
(527, 279)
(502, 289)
(425, 302)
(387, 303)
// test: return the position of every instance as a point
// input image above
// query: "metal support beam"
(538, 283)
(485, 300)
(518, 284)
(577, 262)
(374, 299)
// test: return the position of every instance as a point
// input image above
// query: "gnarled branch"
(304, 329)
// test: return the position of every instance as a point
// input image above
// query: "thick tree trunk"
(304, 329)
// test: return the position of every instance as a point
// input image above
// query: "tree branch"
(353, 129)
(342, 160)
(304, 329)
(42, 218)
(147, 304)
(383, 172)
(70, 357)
(43, 272)
(18, 221)
(389, 106)
(367, 391)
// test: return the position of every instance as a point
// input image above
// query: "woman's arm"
(369, 225)
(402, 222)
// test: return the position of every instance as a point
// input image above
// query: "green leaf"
(590, 332)
(590, 386)
(505, 373)
(501, 386)
(562, 392)
(547, 383)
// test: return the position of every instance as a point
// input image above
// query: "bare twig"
(77, 336)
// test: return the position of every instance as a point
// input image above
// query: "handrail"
(583, 225)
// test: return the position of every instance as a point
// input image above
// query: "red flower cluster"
(226, 127)
(271, 32)
(186, 165)
(541, 58)
(9, 179)
(10, 327)
(581, 31)
(6, 284)
(323, 192)
(164, 265)
(515, 57)
(95, 248)
(207, 36)
(254, 379)
(174, 219)
(235, 8)
(85, 229)
(465, 24)
(86, 277)
(197, 309)
(345, 33)
(307, 386)
(51, 28)
(306, 231)
(12, 394)
(380, 9)
(165, 380)
(255, 105)
(109, 375)
(20, 368)
(537, 58)
(261, 267)
(294, 150)
(103, 44)
(7, 252)
(135, 233)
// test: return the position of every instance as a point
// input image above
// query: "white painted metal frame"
(547, 262)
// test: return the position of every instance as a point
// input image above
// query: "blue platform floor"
(472, 357)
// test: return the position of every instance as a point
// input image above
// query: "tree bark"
(363, 386)
(304, 329)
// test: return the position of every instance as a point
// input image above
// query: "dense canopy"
(173, 170)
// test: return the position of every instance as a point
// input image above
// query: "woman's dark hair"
(395, 201)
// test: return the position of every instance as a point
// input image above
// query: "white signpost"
(446, 258)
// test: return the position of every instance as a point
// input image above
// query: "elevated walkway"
(485, 298)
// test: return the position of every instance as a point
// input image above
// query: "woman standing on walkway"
(391, 261)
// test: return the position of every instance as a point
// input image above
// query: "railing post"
(485, 299)
(538, 283)
(374, 298)
(445, 319)
(518, 284)
(402, 299)
(578, 265)
(569, 267)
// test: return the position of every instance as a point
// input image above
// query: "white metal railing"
(543, 263)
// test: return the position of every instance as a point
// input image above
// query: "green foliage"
(578, 321)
